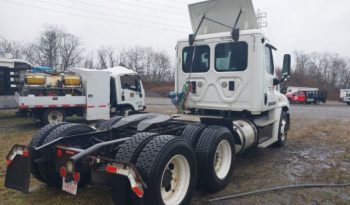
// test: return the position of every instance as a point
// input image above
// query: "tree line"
(59, 49)
(327, 71)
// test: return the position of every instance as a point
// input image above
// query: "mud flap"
(18, 173)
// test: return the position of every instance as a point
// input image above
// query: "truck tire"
(192, 133)
(99, 123)
(53, 116)
(47, 168)
(126, 110)
(128, 153)
(283, 130)
(215, 154)
(37, 141)
(106, 125)
(163, 157)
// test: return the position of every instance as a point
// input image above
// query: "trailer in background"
(10, 80)
(304, 95)
(345, 96)
(10, 70)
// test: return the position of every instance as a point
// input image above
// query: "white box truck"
(96, 95)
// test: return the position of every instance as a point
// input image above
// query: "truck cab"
(228, 74)
(127, 92)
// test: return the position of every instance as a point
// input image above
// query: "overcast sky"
(312, 25)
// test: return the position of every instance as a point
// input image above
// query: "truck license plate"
(70, 187)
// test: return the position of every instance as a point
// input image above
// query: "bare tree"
(13, 48)
(69, 51)
(88, 61)
(48, 47)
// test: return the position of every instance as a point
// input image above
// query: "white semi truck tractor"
(228, 100)
(91, 94)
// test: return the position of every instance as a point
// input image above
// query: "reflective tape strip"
(23, 106)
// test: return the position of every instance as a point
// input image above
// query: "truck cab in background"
(127, 92)
(304, 95)
(345, 96)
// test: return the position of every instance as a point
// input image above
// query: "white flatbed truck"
(102, 93)
(229, 100)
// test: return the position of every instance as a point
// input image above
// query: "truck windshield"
(131, 82)
(196, 59)
(231, 56)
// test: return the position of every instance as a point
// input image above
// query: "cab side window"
(269, 66)
(130, 82)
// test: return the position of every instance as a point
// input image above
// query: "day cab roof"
(226, 35)
(120, 70)
(115, 71)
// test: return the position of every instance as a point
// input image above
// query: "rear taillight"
(111, 169)
(76, 176)
(63, 172)
(25, 153)
(59, 153)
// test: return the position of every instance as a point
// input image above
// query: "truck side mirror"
(286, 65)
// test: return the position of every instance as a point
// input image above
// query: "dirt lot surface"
(318, 151)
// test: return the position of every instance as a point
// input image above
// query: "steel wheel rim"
(180, 180)
(127, 112)
(55, 116)
(223, 159)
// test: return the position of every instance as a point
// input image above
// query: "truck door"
(132, 91)
(269, 89)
